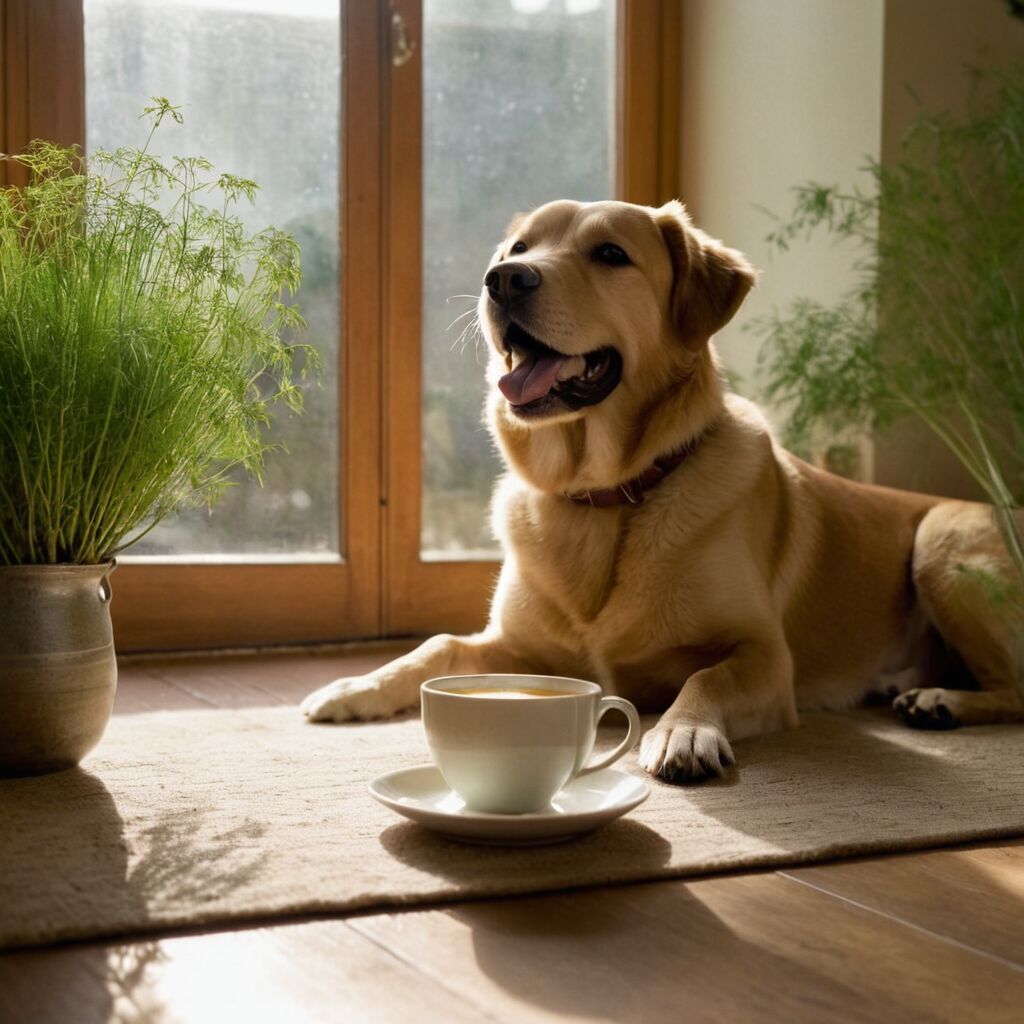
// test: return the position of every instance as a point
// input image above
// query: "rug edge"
(179, 926)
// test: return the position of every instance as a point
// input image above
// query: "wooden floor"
(936, 936)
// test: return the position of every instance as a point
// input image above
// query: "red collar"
(632, 491)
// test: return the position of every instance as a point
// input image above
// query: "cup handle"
(607, 703)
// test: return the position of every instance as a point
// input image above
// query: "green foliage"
(934, 325)
(140, 345)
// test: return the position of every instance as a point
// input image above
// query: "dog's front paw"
(926, 709)
(346, 700)
(685, 753)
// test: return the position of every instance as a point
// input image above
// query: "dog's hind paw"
(685, 753)
(358, 698)
(926, 709)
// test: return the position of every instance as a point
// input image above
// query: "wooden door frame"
(41, 68)
(650, 38)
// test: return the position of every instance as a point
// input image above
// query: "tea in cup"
(508, 743)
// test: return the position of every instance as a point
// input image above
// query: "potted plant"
(934, 325)
(140, 347)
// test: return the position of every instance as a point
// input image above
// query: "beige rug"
(218, 817)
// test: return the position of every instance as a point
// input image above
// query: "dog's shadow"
(620, 953)
(648, 952)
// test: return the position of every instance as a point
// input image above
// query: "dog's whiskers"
(469, 312)
(471, 328)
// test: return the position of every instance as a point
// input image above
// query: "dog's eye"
(517, 248)
(611, 254)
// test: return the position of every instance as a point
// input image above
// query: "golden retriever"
(658, 540)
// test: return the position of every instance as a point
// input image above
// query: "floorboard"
(972, 896)
(241, 680)
(140, 690)
(287, 974)
(748, 947)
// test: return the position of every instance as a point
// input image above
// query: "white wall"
(928, 46)
(776, 93)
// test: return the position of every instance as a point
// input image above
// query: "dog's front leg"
(747, 693)
(396, 686)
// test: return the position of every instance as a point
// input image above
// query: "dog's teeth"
(572, 367)
(518, 355)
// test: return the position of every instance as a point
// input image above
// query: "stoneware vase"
(57, 667)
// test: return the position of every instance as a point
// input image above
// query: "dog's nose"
(508, 281)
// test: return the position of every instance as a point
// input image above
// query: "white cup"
(509, 752)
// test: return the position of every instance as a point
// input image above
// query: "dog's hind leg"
(958, 554)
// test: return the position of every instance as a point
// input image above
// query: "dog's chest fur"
(611, 587)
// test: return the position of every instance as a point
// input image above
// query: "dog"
(659, 541)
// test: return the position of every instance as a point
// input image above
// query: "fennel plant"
(140, 345)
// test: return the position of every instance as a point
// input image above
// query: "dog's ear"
(709, 280)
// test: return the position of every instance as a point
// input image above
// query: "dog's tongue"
(533, 378)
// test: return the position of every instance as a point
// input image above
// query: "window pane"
(518, 109)
(259, 81)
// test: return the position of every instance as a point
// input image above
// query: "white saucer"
(422, 794)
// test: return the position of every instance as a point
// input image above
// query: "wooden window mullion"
(649, 48)
(42, 74)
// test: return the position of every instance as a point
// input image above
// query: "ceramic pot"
(57, 667)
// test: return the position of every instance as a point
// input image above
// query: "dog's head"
(598, 314)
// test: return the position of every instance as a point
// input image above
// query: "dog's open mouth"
(545, 381)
